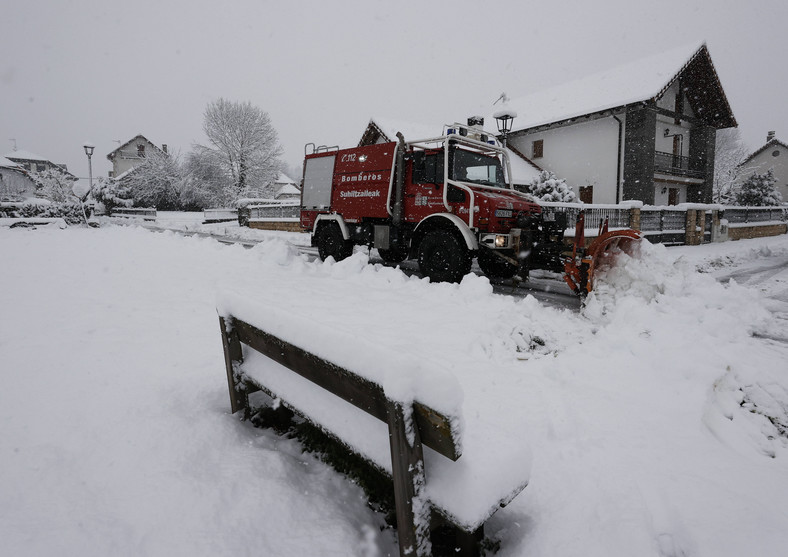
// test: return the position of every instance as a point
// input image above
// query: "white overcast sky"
(100, 70)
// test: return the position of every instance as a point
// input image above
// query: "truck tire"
(330, 242)
(443, 257)
(396, 255)
(495, 267)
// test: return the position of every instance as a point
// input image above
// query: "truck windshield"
(468, 166)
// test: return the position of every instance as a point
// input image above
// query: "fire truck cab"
(444, 201)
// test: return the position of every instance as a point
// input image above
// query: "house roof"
(523, 169)
(288, 189)
(772, 143)
(111, 155)
(641, 81)
(26, 156)
(7, 163)
(283, 178)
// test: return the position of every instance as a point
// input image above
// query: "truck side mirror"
(419, 168)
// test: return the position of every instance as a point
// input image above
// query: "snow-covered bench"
(404, 429)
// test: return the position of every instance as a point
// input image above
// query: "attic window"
(141, 150)
(776, 153)
(538, 149)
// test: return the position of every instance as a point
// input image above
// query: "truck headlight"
(501, 240)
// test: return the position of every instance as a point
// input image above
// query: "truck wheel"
(330, 242)
(396, 255)
(443, 257)
(495, 267)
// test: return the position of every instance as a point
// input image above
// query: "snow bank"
(652, 416)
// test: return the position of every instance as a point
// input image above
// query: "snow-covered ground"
(655, 417)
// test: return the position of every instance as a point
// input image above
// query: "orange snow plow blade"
(579, 269)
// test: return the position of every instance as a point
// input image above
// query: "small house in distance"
(132, 154)
(773, 155)
(286, 188)
(644, 131)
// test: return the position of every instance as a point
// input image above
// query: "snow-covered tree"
(55, 185)
(58, 187)
(111, 194)
(244, 146)
(205, 184)
(156, 183)
(759, 191)
(546, 187)
(730, 152)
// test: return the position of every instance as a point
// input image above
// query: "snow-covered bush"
(55, 185)
(111, 194)
(69, 211)
(547, 187)
(759, 191)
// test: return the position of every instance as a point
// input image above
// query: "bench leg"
(407, 461)
(233, 357)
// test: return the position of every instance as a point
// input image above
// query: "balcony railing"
(676, 165)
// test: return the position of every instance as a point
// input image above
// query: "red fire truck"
(442, 200)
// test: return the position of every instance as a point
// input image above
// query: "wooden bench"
(432, 429)
(134, 212)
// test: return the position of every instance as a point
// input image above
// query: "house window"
(586, 194)
(776, 153)
(140, 150)
(673, 196)
(538, 148)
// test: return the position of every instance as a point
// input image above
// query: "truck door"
(424, 186)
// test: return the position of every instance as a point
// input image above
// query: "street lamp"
(504, 118)
(89, 152)
(89, 147)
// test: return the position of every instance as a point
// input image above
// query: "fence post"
(690, 228)
(407, 465)
(634, 218)
(233, 357)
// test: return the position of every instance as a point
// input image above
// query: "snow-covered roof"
(6, 163)
(283, 178)
(25, 155)
(288, 189)
(410, 130)
(638, 81)
(523, 170)
(111, 154)
(771, 143)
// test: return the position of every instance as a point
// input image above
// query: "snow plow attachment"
(579, 269)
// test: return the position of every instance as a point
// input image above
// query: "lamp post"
(504, 118)
(89, 147)
(89, 152)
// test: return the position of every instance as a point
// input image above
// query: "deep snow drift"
(655, 418)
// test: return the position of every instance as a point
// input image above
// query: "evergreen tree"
(547, 187)
(759, 191)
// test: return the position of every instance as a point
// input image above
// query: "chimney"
(164, 148)
(769, 136)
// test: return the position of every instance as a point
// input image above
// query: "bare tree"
(243, 144)
(730, 152)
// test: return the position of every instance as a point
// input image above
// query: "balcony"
(675, 165)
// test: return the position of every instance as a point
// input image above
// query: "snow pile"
(650, 423)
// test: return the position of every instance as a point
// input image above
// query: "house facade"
(645, 131)
(132, 154)
(772, 156)
(32, 162)
(15, 183)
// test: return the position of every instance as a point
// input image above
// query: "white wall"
(766, 160)
(15, 186)
(584, 154)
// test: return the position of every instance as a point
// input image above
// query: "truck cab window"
(476, 168)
